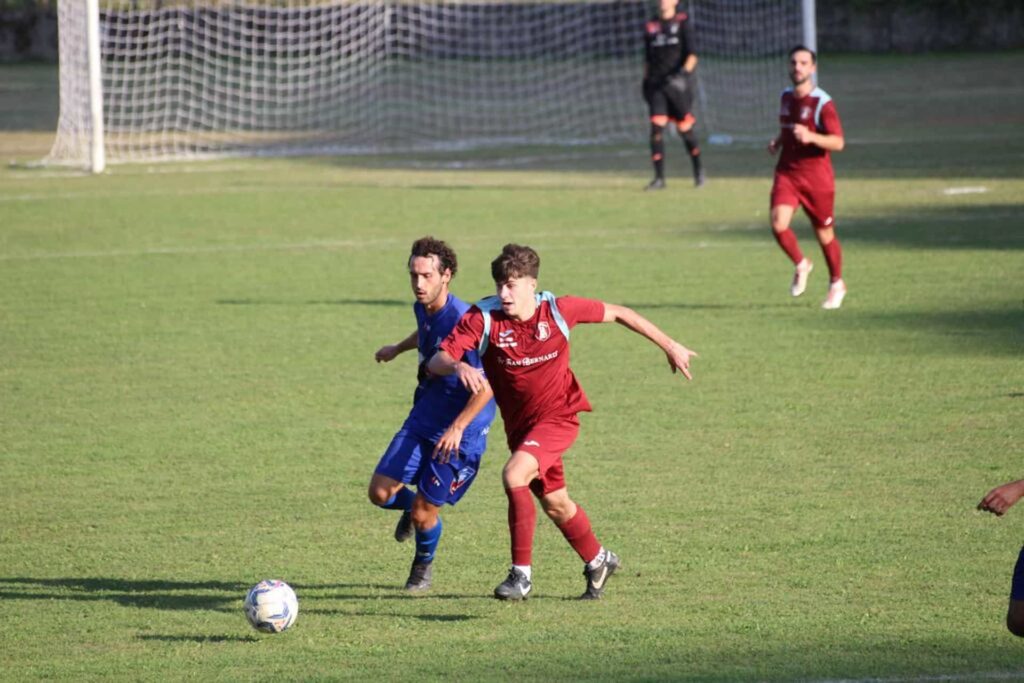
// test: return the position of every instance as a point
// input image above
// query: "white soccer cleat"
(836, 293)
(800, 275)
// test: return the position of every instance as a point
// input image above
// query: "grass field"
(189, 403)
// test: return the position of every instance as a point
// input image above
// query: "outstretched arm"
(677, 354)
(390, 352)
(1002, 498)
(448, 444)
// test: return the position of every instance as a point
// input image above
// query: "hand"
(386, 353)
(448, 445)
(470, 377)
(773, 146)
(679, 358)
(1001, 498)
(803, 134)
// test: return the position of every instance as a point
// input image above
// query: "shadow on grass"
(218, 596)
(977, 226)
(200, 639)
(968, 332)
(440, 618)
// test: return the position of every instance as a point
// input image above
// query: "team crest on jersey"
(543, 331)
(805, 113)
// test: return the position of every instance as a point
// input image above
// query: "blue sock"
(426, 543)
(401, 500)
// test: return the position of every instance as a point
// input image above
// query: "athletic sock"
(522, 520)
(401, 500)
(580, 536)
(525, 569)
(596, 562)
(834, 258)
(426, 543)
(690, 140)
(658, 151)
(787, 240)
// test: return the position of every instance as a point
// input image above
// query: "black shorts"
(672, 97)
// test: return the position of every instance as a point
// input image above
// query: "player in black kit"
(669, 86)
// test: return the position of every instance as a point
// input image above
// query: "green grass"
(189, 403)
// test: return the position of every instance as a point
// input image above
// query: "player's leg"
(388, 489)
(657, 107)
(819, 207)
(1015, 613)
(680, 108)
(784, 201)
(571, 519)
(428, 525)
(520, 470)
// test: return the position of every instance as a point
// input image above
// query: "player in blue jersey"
(439, 447)
(998, 501)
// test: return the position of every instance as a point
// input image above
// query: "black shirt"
(667, 42)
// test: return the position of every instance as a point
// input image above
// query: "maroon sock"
(522, 520)
(834, 258)
(580, 536)
(787, 240)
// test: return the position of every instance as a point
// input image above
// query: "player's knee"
(423, 517)
(378, 495)
(825, 235)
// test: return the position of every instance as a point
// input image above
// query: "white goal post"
(148, 80)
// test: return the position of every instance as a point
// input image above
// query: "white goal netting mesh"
(185, 79)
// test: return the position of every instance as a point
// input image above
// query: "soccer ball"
(271, 606)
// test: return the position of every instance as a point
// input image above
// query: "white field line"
(976, 189)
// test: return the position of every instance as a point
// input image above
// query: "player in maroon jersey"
(998, 501)
(810, 131)
(522, 337)
(669, 83)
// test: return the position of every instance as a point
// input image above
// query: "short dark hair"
(804, 48)
(515, 261)
(429, 246)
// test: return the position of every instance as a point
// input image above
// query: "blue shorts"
(1017, 587)
(408, 460)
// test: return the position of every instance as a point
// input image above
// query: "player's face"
(667, 8)
(801, 67)
(517, 296)
(429, 284)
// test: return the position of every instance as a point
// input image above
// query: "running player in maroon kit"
(669, 83)
(522, 338)
(810, 130)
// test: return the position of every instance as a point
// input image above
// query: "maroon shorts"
(546, 442)
(817, 200)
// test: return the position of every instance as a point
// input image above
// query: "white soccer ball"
(271, 606)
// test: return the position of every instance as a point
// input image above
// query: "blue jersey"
(438, 400)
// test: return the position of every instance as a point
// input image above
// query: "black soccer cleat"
(656, 184)
(515, 587)
(403, 530)
(420, 577)
(597, 578)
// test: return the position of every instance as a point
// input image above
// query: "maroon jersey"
(527, 361)
(816, 111)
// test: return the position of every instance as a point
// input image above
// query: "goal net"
(192, 78)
